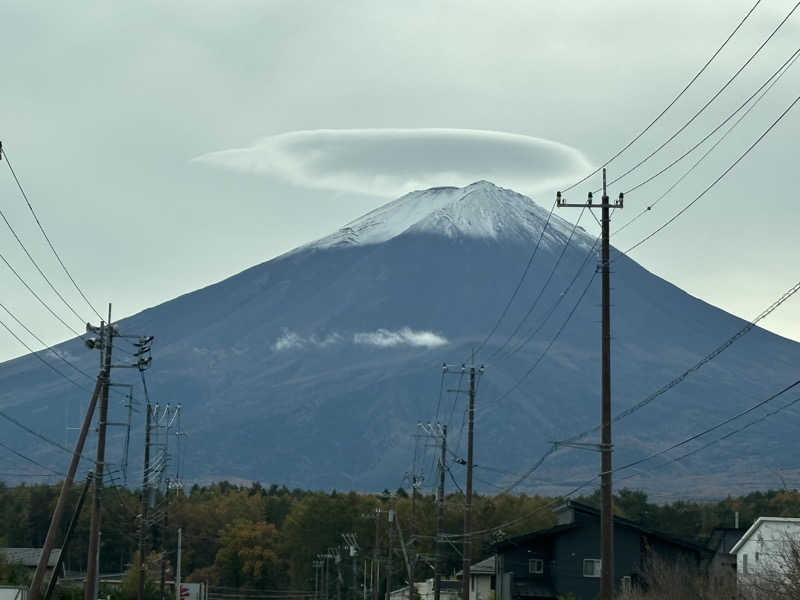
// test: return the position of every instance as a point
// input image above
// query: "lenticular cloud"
(392, 162)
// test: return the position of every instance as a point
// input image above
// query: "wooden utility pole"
(92, 563)
(437, 575)
(606, 447)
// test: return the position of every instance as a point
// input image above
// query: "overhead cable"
(697, 163)
(708, 103)
(716, 181)
(672, 103)
(47, 238)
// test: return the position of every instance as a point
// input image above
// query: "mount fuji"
(314, 368)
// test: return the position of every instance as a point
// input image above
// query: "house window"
(744, 564)
(591, 567)
(535, 566)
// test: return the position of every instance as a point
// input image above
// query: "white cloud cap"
(392, 162)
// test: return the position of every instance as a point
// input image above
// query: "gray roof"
(29, 557)
(484, 567)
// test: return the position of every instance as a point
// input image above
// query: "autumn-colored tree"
(248, 555)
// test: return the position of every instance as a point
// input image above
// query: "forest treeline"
(268, 537)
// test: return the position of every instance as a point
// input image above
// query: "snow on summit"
(479, 210)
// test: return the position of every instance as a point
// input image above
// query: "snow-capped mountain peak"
(479, 210)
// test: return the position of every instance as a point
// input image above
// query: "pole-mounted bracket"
(561, 202)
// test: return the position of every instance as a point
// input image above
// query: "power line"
(671, 384)
(659, 453)
(552, 341)
(716, 181)
(541, 290)
(46, 347)
(35, 295)
(46, 237)
(722, 423)
(533, 332)
(771, 80)
(30, 460)
(519, 283)
(39, 357)
(42, 437)
(706, 153)
(671, 104)
(39, 269)
(709, 102)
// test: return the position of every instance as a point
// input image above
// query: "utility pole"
(352, 548)
(376, 555)
(607, 510)
(145, 499)
(337, 560)
(55, 521)
(390, 514)
(437, 577)
(468, 498)
(473, 372)
(51, 586)
(92, 562)
(178, 567)
(315, 566)
(438, 432)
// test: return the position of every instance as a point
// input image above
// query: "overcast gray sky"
(106, 107)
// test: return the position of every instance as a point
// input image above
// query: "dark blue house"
(566, 558)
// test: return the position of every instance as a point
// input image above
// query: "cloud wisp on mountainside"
(392, 162)
(380, 338)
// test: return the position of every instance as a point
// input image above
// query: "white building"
(481, 579)
(763, 549)
(449, 590)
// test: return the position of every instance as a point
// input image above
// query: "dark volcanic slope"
(312, 369)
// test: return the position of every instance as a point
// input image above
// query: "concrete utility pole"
(178, 567)
(93, 559)
(437, 577)
(607, 510)
(376, 555)
(438, 432)
(51, 586)
(145, 499)
(55, 521)
(337, 560)
(317, 564)
(468, 495)
(352, 549)
(465, 570)
(390, 515)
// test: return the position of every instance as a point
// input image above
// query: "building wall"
(481, 587)
(762, 553)
(571, 548)
(564, 556)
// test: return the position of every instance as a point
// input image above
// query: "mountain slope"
(312, 369)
